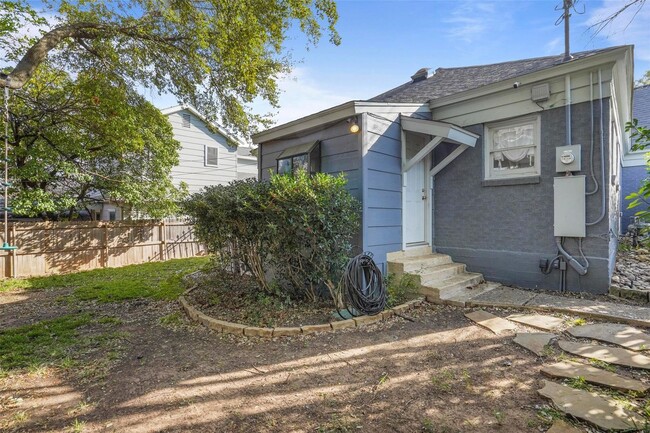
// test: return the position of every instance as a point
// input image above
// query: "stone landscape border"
(254, 331)
(630, 293)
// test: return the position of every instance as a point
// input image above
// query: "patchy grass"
(50, 343)
(157, 280)
(172, 320)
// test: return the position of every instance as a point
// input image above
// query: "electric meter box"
(567, 158)
(569, 207)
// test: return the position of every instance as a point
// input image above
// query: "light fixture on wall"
(354, 127)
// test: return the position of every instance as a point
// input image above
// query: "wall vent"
(541, 92)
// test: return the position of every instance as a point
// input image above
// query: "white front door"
(415, 211)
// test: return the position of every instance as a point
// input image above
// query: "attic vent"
(540, 92)
(420, 75)
(186, 120)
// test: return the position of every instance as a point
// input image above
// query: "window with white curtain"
(512, 148)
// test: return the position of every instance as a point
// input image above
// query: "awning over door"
(440, 131)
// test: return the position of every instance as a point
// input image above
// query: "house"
(209, 155)
(489, 165)
(634, 163)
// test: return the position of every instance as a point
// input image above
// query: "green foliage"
(77, 141)
(641, 138)
(297, 227)
(216, 55)
(312, 223)
(157, 280)
(400, 288)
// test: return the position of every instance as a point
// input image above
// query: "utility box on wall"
(567, 158)
(569, 207)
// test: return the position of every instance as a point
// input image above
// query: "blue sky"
(385, 42)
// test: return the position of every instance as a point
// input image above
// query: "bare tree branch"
(602, 24)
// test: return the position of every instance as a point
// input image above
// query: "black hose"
(363, 286)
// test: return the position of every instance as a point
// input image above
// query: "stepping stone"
(622, 335)
(534, 341)
(494, 323)
(560, 426)
(598, 410)
(539, 321)
(570, 370)
(613, 355)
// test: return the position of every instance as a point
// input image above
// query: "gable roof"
(177, 108)
(449, 81)
(641, 105)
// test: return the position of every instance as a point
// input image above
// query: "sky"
(385, 42)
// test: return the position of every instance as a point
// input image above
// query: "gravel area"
(633, 269)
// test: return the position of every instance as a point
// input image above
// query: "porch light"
(354, 127)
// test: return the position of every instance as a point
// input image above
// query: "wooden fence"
(46, 248)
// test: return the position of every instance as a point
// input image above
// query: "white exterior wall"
(192, 168)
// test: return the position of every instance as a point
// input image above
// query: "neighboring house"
(464, 162)
(634, 163)
(207, 157)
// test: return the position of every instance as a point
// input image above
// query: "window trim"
(488, 172)
(311, 150)
(205, 156)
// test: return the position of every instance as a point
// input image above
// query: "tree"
(75, 142)
(218, 55)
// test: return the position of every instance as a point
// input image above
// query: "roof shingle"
(448, 81)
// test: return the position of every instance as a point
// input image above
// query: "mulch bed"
(237, 299)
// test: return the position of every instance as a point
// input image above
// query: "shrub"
(293, 233)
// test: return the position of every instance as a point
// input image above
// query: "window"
(305, 156)
(186, 119)
(211, 155)
(512, 148)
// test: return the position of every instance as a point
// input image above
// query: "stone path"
(615, 333)
(570, 370)
(502, 296)
(536, 342)
(598, 410)
(612, 355)
(539, 321)
(602, 411)
(490, 321)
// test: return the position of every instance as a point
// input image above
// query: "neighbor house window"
(186, 120)
(512, 148)
(305, 156)
(211, 155)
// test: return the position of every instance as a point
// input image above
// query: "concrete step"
(461, 297)
(449, 287)
(441, 272)
(409, 252)
(418, 264)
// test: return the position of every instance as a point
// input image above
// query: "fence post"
(162, 235)
(105, 246)
(12, 241)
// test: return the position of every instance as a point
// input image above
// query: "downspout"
(603, 209)
(567, 109)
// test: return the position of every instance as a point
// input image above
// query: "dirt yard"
(439, 373)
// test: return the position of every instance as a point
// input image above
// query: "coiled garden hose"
(363, 286)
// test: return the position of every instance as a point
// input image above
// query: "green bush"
(293, 233)
(400, 288)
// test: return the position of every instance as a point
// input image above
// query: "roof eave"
(332, 114)
(545, 74)
(195, 112)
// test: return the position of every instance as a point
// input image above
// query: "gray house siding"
(504, 231)
(340, 153)
(382, 206)
(631, 178)
(191, 167)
